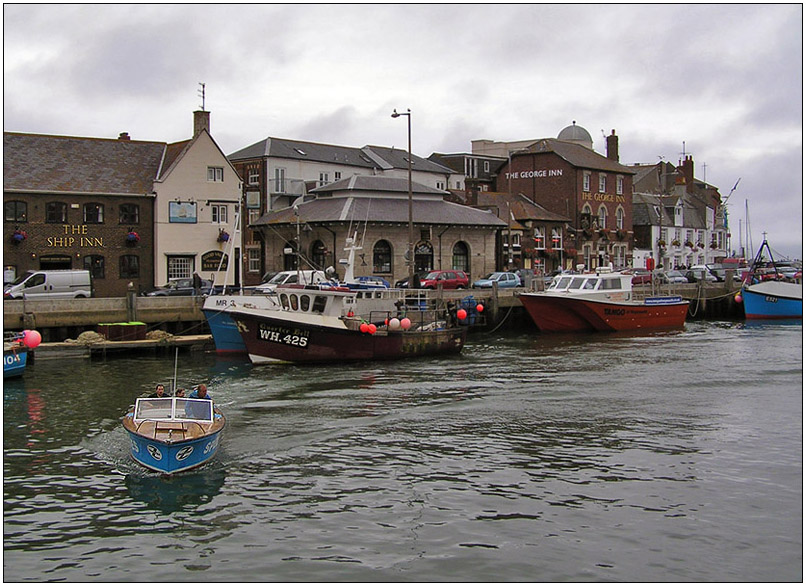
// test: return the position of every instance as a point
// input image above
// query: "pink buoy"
(479, 308)
(405, 323)
(738, 298)
(372, 328)
(461, 314)
(32, 339)
(364, 328)
(394, 324)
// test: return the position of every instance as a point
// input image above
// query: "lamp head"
(394, 113)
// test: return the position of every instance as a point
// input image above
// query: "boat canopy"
(174, 409)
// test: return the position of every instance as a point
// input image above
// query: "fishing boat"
(775, 298)
(601, 302)
(316, 324)
(15, 351)
(173, 434)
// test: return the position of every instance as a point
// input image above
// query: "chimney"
(612, 146)
(124, 136)
(201, 121)
(687, 169)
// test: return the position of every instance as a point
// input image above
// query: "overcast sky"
(726, 80)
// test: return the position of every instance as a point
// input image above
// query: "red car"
(639, 276)
(448, 280)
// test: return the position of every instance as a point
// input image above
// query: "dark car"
(404, 282)
(182, 286)
(448, 280)
(696, 275)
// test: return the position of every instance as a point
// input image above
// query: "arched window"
(382, 257)
(423, 257)
(461, 257)
(56, 212)
(602, 217)
(16, 211)
(95, 264)
(129, 266)
(93, 213)
(319, 254)
(620, 218)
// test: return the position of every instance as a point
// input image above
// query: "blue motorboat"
(770, 295)
(15, 358)
(173, 434)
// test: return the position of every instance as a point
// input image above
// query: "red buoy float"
(479, 308)
(461, 314)
(405, 323)
(32, 339)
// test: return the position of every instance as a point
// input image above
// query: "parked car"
(448, 280)
(180, 286)
(305, 277)
(404, 282)
(639, 276)
(672, 277)
(696, 275)
(503, 279)
(373, 281)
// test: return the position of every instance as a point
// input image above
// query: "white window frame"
(602, 182)
(253, 259)
(219, 213)
(619, 184)
(586, 181)
(620, 218)
(540, 237)
(215, 174)
(556, 238)
(253, 176)
(601, 217)
(180, 267)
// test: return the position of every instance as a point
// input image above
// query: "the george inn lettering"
(75, 234)
(535, 173)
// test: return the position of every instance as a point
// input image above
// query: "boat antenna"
(176, 363)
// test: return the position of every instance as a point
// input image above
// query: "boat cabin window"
(562, 283)
(576, 282)
(319, 303)
(154, 408)
(284, 300)
(610, 284)
(304, 302)
(294, 302)
(201, 409)
(590, 284)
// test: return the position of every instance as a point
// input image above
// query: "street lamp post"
(407, 114)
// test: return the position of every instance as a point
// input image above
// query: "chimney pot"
(124, 136)
(201, 121)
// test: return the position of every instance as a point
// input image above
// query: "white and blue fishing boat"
(15, 358)
(173, 434)
(773, 298)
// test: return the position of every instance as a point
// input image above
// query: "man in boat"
(200, 393)
(159, 392)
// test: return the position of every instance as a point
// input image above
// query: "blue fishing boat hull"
(783, 302)
(170, 458)
(225, 332)
(14, 362)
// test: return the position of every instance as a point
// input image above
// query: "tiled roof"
(577, 155)
(36, 162)
(368, 157)
(380, 199)
(521, 207)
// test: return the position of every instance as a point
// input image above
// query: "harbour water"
(671, 456)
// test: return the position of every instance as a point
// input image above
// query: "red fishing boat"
(601, 302)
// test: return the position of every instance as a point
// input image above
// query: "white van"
(50, 285)
(308, 277)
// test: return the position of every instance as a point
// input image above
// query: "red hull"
(554, 314)
(269, 339)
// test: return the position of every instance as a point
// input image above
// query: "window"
(556, 238)
(471, 168)
(219, 214)
(279, 180)
(620, 218)
(540, 237)
(486, 166)
(461, 257)
(95, 265)
(215, 173)
(602, 217)
(56, 212)
(129, 213)
(16, 211)
(586, 181)
(180, 267)
(93, 213)
(324, 179)
(336, 175)
(253, 176)
(319, 254)
(382, 257)
(602, 182)
(620, 185)
(440, 185)
(253, 259)
(129, 266)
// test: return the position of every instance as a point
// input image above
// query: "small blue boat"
(774, 298)
(15, 358)
(173, 434)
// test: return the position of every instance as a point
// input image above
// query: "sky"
(721, 82)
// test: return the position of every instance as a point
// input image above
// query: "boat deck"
(172, 431)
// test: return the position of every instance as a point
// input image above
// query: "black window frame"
(51, 211)
(16, 217)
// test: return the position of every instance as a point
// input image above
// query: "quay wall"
(58, 319)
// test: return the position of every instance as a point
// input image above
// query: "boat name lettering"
(10, 359)
(770, 299)
(610, 311)
(282, 335)
(211, 446)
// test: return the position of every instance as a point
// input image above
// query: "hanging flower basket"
(223, 236)
(661, 242)
(675, 243)
(700, 244)
(713, 246)
(604, 232)
(132, 238)
(621, 234)
(689, 243)
(587, 232)
(18, 236)
(571, 251)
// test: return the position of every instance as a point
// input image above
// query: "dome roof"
(576, 134)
